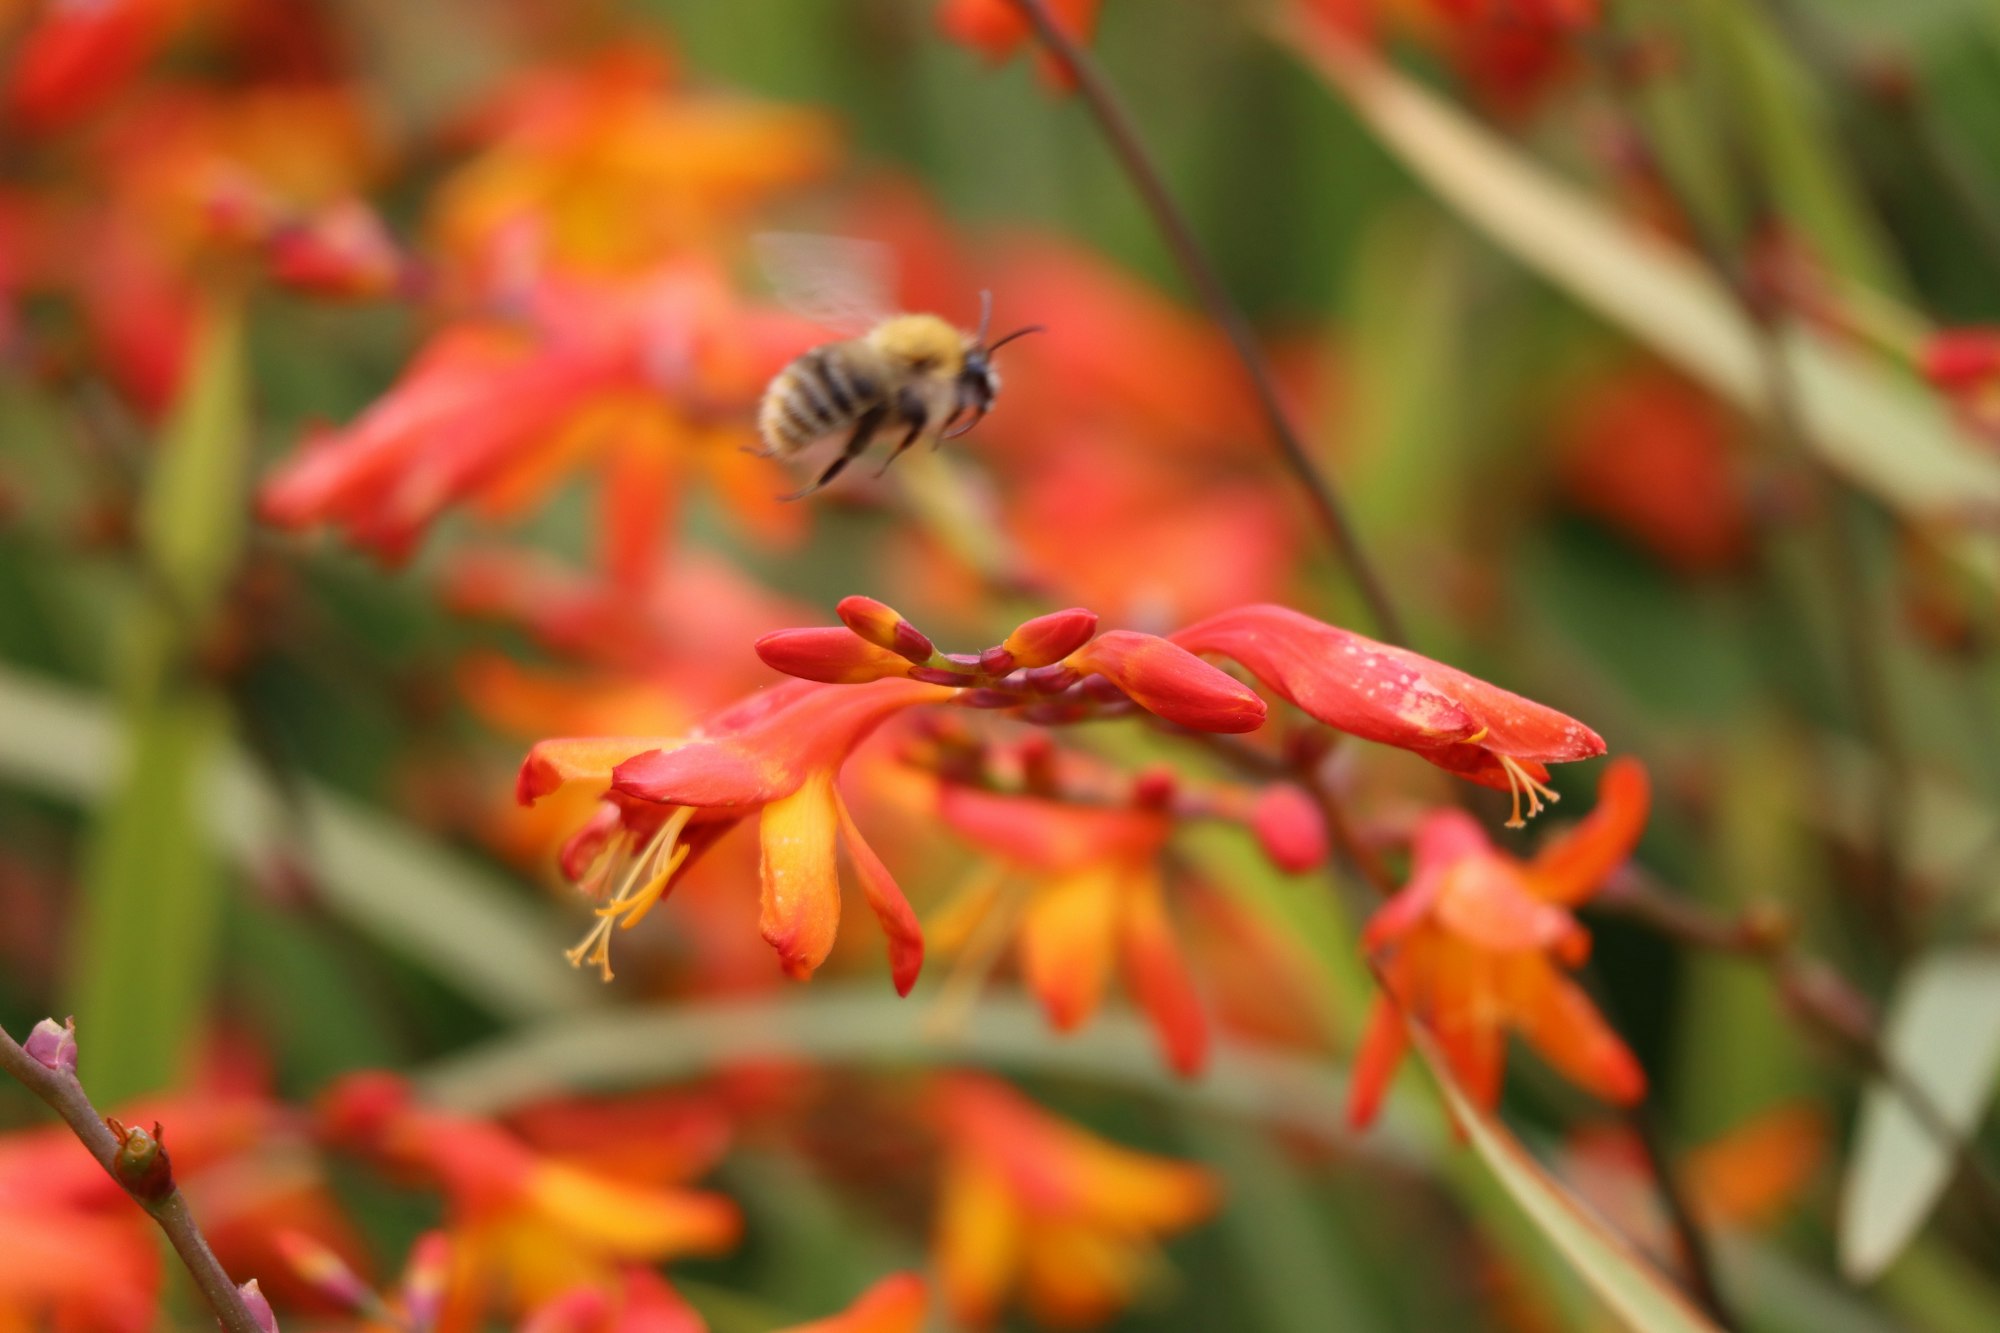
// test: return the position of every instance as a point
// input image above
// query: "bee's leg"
(916, 432)
(864, 431)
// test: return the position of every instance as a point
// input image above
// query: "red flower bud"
(1172, 682)
(141, 1164)
(884, 627)
(53, 1045)
(1291, 828)
(1154, 789)
(833, 655)
(1050, 638)
(996, 661)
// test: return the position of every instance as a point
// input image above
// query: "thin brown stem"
(1123, 135)
(1697, 1259)
(66, 1097)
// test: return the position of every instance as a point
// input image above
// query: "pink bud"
(834, 655)
(996, 661)
(884, 627)
(1051, 638)
(1169, 681)
(1961, 358)
(259, 1307)
(53, 1045)
(1291, 828)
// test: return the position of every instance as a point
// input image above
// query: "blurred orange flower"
(997, 28)
(1471, 946)
(1035, 1206)
(1096, 894)
(525, 1226)
(893, 1305)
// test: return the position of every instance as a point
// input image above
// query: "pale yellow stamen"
(643, 884)
(998, 905)
(1519, 781)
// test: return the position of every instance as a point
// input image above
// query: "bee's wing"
(845, 284)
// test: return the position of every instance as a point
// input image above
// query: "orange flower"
(523, 1224)
(1396, 697)
(1472, 944)
(611, 168)
(1096, 895)
(641, 1302)
(776, 754)
(1036, 1206)
(893, 1305)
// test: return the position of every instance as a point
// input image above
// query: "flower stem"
(66, 1097)
(1123, 135)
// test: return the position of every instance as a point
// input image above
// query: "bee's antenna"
(985, 313)
(1017, 333)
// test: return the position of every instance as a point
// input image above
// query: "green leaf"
(152, 895)
(194, 515)
(462, 921)
(1942, 1033)
(1601, 1257)
(1876, 426)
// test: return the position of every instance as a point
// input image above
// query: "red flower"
(997, 28)
(1392, 695)
(777, 754)
(78, 55)
(1965, 365)
(1471, 947)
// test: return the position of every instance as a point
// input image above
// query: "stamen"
(643, 884)
(1520, 781)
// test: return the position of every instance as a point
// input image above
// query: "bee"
(910, 375)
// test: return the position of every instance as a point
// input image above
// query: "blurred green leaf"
(1875, 426)
(1796, 153)
(1605, 1260)
(463, 922)
(1941, 1291)
(1942, 1032)
(152, 890)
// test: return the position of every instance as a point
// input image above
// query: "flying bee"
(918, 375)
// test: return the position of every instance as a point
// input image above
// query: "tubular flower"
(1382, 693)
(1033, 1205)
(893, 1305)
(526, 1225)
(1050, 668)
(1094, 895)
(776, 754)
(1472, 946)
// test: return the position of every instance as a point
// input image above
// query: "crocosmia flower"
(1476, 945)
(777, 755)
(1383, 693)
(893, 1305)
(998, 28)
(1035, 1206)
(523, 1224)
(1094, 899)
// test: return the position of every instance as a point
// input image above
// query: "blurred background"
(377, 381)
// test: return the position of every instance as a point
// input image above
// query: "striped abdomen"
(820, 393)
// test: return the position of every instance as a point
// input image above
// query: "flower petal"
(885, 898)
(1066, 939)
(1170, 681)
(1157, 972)
(978, 1239)
(834, 654)
(1375, 1060)
(801, 883)
(630, 1221)
(1559, 1020)
(554, 764)
(1572, 866)
(893, 1305)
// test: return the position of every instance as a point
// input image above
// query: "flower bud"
(884, 627)
(833, 655)
(141, 1164)
(1154, 789)
(1961, 358)
(1290, 827)
(996, 661)
(1050, 638)
(53, 1045)
(259, 1307)
(1172, 682)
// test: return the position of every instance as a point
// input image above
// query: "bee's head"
(978, 381)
